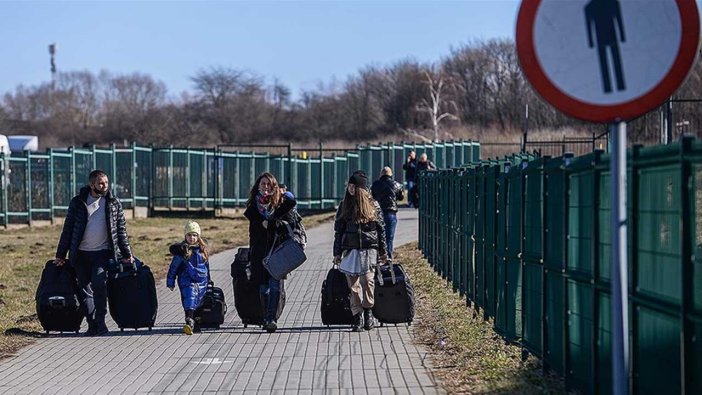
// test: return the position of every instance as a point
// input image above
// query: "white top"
(95, 236)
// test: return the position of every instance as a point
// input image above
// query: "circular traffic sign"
(607, 60)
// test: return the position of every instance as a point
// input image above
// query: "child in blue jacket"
(191, 266)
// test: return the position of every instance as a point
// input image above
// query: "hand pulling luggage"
(394, 295)
(131, 295)
(58, 308)
(214, 308)
(248, 284)
(336, 302)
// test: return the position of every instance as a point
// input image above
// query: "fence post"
(686, 252)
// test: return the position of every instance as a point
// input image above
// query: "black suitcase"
(58, 308)
(131, 293)
(394, 295)
(211, 313)
(336, 299)
(249, 301)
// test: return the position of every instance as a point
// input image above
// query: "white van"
(4, 145)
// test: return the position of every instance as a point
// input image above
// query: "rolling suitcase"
(249, 300)
(131, 295)
(394, 295)
(213, 309)
(336, 302)
(58, 308)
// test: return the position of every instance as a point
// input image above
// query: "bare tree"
(436, 106)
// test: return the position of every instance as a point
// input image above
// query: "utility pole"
(52, 51)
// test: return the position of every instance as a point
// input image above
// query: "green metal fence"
(39, 186)
(534, 255)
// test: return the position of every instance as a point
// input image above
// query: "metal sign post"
(619, 305)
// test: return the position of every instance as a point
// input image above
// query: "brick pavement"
(303, 356)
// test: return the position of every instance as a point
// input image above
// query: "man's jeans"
(410, 194)
(390, 219)
(91, 271)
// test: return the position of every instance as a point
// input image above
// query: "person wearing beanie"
(359, 244)
(387, 192)
(190, 266)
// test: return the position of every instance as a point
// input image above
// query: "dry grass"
(468, 356)
(26, 251)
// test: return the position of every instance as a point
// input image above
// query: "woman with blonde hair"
(359, 243)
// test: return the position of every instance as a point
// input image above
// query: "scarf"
(263, 205)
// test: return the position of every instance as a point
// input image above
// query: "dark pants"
(390, 219)
(91, 270)
(410, 194)
(272, 293)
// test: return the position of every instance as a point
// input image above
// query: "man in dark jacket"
(387, 192)
(410, 168)
(94, 229)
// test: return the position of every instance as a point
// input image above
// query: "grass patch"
(467, 355)
(27, 250)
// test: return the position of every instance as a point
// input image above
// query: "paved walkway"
(303, 356)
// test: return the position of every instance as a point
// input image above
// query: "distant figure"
(410, 168)
(423, 164)
(387, 192)
(606, 17)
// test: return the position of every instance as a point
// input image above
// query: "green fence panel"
(122, 176)
(514, 296)
(656, 367)
(40, 187)
(534, 215)
(555, 319)
(142, 182)
(659, 215)
(555, 212)
(514, 208)
(17, 191)
(581, 337)
(582, 194)
(532, 311)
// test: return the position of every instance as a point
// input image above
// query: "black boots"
(356, 327)
(368, 322)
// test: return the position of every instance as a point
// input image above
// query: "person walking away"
(359, 243)
(410, 168)
(423, 164)
(386, 191)
(191, 267)
(270, 212)
(94, 232)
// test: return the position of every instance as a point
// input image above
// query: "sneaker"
(271, 326)
(188, 327)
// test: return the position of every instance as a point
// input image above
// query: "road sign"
(607, 60)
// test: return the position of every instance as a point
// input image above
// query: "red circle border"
(631, 109)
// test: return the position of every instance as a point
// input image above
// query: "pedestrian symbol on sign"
(605, 16)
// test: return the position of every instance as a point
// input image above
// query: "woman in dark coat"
(269, 211)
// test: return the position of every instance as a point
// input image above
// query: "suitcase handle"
(57, 301)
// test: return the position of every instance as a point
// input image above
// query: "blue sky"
(300, 43)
